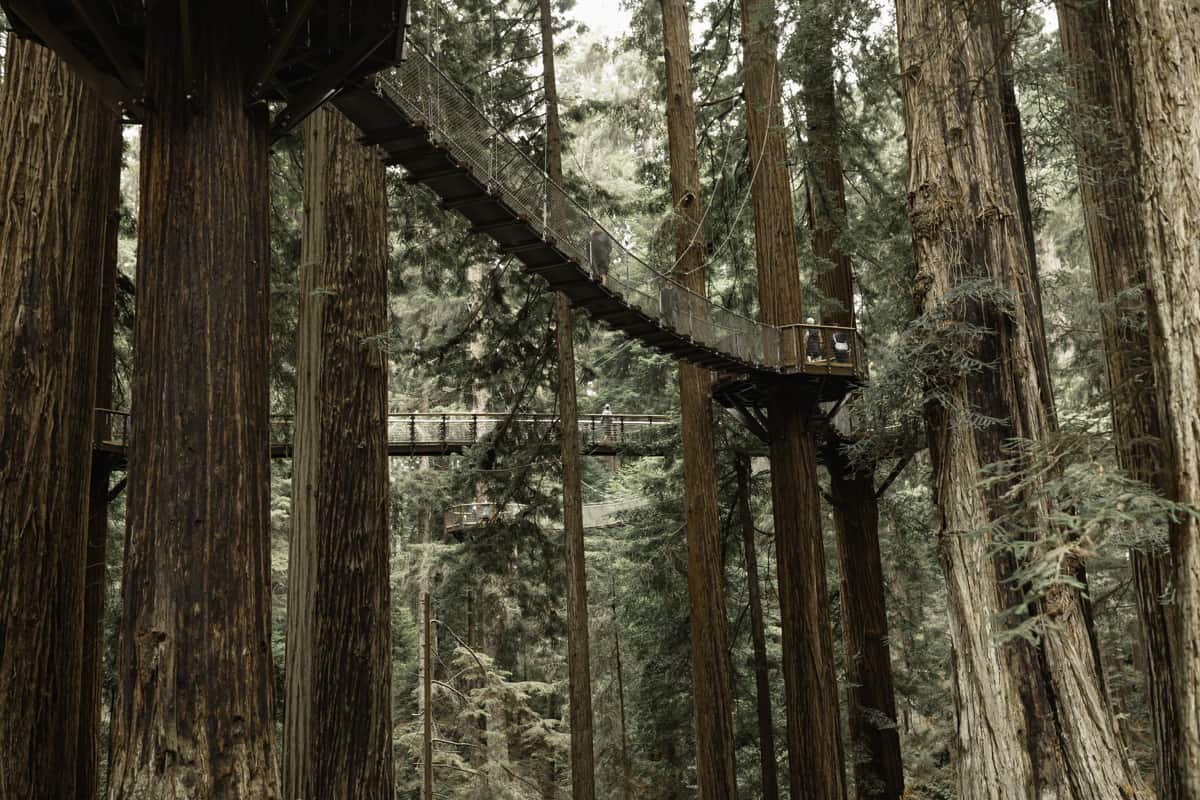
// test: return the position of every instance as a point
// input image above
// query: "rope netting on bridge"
(455, 122)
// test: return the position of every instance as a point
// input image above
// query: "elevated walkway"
(449, 433)
(425, 122)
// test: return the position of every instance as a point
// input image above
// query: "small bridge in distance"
(446, 433)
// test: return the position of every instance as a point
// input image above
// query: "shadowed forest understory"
(600, 399)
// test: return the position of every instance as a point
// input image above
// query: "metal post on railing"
(412, 428)
(474, 428)
(442, 431)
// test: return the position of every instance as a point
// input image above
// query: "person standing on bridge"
(600, 252)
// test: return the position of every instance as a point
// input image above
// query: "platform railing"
(448, 429)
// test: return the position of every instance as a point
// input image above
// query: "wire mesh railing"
(456, 123)
(443, 430)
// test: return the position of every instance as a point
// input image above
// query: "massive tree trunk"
(583, 780)
(870, 693)
(338, 732)
(1033, 720)
(194, 716)
(815, 758)
(56, 202)
(96, 575)
(1118, 269)
(711, 673)
(762, 681)
(1161, 44)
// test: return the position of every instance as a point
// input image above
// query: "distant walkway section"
(449, 433)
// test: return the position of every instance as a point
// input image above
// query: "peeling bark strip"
(338, 731)
(1161, 43)
(815, 757)
(193, 717)
(56, 190)
(579, 670)
(1117, 253)
(711, 673)
(1033, 722)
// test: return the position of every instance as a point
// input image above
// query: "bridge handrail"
(436, 101)
(433, 427)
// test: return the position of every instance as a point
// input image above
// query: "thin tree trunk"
(427, 698)
(1033, 721)
(56, 195)
(583, 780)
(762, 681)
(194, 714)
(626, 762)
(96, 575)
(1161, 49)
(711, 672)
(1118, 269)
(337, 737)
(815, 757)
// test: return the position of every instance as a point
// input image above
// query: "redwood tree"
(1160, 43)
(815, 758)
(56, 202)
(1033, 720)
(338, 721)
(193, 715)
(583, 780)
(870, 692)
(1100, 95)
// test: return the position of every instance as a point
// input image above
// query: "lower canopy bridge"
(424, 121)
(449, 433)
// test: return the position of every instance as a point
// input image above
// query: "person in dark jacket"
(812, 342)
(600, 245)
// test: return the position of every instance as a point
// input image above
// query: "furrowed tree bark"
(870, 693)
(1160, 44)
(87, 782)
(56, 190)
(815, 757)
(193, 717)
(626, 762)
(338, 724)
(1100, 94)
(711, 672)
(1033, 721)
(583, 769)
(762, 681)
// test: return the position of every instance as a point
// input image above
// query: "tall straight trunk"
(194, 715)
(426, 697)
(583, 780)
(1118, 269)
(1033, 721)
(711, 673)
(56, 195)
(87, 784)
(815, 757)
(338, 729)
(870, 693)
(1161, 50)
(626, 762)
(762, 681)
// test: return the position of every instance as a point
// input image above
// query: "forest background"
(467, 331)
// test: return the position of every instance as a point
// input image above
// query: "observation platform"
(439, 434)
(314, 48)
(422, 120)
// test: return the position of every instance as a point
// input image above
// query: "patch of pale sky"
(605, 18)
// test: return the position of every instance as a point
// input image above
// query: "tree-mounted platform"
(311, 49)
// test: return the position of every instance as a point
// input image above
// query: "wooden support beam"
(459, 203)
(327, 83)
(448, 172)
(104, 29)
(395, 133)
(488, 228)
(34, 17)
(283, 43)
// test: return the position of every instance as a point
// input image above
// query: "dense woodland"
(981, 581)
